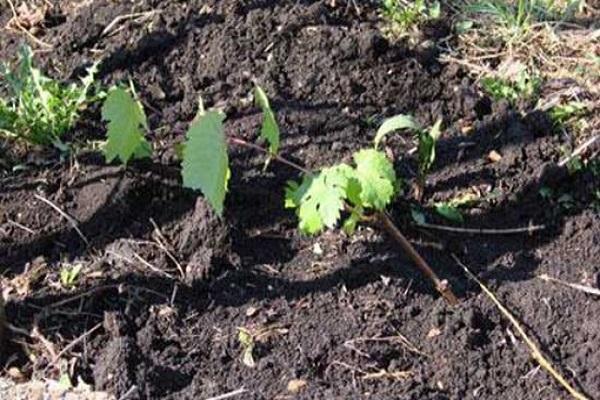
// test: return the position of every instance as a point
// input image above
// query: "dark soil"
(168, 319)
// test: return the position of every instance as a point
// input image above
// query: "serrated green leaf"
(376, 176)
(269, 130)
(126, 122)
(398, 122)
(205, 160)
(320, 198)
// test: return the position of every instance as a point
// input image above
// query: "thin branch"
(74, 342)
(442, 286)
(228, 395)
(71, 220)
(15, 18)
(121, 18)
(242, 142)
(129, 393)
(583, 288)
(20, 226)
(580, 149)
(535, 351)
(483, 231)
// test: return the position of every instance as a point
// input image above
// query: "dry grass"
(564, 54)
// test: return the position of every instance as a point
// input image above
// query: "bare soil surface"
(166, 284)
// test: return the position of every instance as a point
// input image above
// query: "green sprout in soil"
(246, 340)
(405, 16)
(525, 86)
(69, 275)
(426, 139)
(38, 109)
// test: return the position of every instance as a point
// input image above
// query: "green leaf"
(126, 125)
(205, 160)
(270, 129)
(426, 152)
(319, 199)
(377, 178)
(435, 10)
(449, 212)
(418, 216)
(400, 121)
(436, 130)
(352, 221)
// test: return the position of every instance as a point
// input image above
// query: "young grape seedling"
(357, 193)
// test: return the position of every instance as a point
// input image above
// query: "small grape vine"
(343, 195)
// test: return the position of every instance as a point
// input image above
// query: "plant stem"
(442, 286)
(242, 142)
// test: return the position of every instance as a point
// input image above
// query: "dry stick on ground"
(583, 288)
(20, 226)
(76, 341)
(71, 220)
(442, 286)
(389, 339)
(229, 395)
(162, 242)
(121, 18)
(15, 18)
(482, 231)
(580, 149)
(535, 351)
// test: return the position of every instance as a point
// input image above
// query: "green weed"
(517, 16)
(69, 275)
(404, 16)
(563, 113)
(40, 110)
(525, 86)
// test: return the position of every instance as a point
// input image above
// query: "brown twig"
(442, 286)
(69, 218)
(578, 150)
(15, 18)
(229, 395)
(77, 340)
